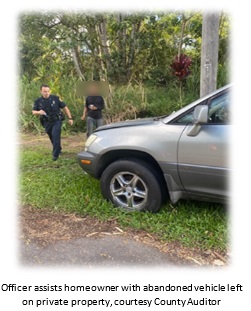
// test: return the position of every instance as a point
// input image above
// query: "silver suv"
(143, 162)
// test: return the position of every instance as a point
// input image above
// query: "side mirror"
(200, 116)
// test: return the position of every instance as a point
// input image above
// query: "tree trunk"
(104, 46)
(183, 26)
(121, 48)
(132, 48)
(77, 62)
(209, 53)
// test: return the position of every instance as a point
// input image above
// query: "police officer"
(48, 107)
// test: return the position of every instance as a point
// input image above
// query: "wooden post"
(209, 53)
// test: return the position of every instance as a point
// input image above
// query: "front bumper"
(88, 163)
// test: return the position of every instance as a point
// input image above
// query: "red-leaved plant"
(180, 66)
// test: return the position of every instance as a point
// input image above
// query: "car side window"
(218, 112)
(187, 118)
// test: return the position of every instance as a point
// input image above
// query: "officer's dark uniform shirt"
(51, 105)
(98, 102)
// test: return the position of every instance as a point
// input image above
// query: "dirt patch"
(74, 141)
(44, 227)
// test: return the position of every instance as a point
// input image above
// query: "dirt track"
(56, 238)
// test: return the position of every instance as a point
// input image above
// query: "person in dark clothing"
(48, 107)
(94, 105)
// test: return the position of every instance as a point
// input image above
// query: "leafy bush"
(134, 100)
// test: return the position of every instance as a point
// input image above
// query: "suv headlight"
(90, 140)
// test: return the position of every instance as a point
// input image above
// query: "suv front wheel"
(131, 185)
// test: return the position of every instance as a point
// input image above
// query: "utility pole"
(209, 52)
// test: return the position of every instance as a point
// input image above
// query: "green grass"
(63, 186)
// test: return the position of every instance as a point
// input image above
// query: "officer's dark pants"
(53, 129)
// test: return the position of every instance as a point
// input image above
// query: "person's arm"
(85, 109)
(38, 112)
(68, 114)
(99, 104)
(84, 113)
(36, 109)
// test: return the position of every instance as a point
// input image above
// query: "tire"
(131, 185)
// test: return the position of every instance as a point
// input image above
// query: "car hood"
(136, 122)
